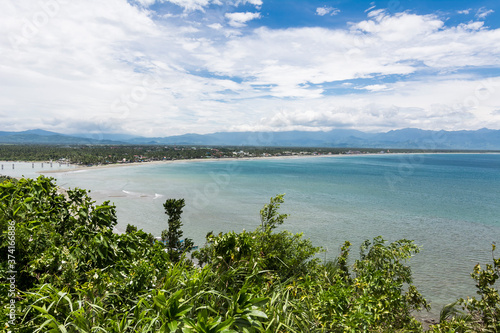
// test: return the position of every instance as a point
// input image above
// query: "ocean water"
(448, 203)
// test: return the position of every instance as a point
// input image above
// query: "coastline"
(79, 168)
(196, 160)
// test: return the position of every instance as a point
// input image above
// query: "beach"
(76, 167)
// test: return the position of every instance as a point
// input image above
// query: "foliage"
(283, 254)
(117, 153)
(75, 275)
(476, 315)
(7, 178)
(130, 229)
(380, 275)
(374, 294)
(269, 216)
(172, 236)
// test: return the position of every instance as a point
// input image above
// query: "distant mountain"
(106, 136)
(484, 139)
(6, 133)
(291, 138)
(408, 138)
(413, 138)
(38, 136)
(41, 132)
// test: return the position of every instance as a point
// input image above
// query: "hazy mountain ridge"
(482, 139)
(38, 136)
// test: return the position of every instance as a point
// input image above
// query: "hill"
(408, 138)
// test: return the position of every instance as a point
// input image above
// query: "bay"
(447, 203)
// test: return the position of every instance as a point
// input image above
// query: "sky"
(170, 67)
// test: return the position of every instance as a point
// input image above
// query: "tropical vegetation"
(67, 271)
(110, 154)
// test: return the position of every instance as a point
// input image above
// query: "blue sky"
(168, 67)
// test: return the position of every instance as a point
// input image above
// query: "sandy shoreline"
(214, 160)
(116, 165)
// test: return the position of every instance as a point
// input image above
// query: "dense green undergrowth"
(67, 271)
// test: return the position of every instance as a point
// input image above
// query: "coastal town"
(92, 155)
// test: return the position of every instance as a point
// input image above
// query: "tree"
(172, 236)
(283, 253)
(269, 216)
(130, 228)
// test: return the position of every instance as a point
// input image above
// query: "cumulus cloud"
(239, 20)
(375, 87)
(115, 65)
(292, 59)
(471, 25)
(325, 10)
(402, 26)
(256, 3)
(447, 105)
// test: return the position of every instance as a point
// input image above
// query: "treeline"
(66, 271)
(90, 155)
(102, 154)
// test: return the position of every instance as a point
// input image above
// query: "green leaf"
(173, 325)
(258, 313)
(259, 301)
(42, 310)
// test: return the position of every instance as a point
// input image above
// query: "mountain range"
(408, 138)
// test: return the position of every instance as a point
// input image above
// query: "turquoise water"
(447, 203)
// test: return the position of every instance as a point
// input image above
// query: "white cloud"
(471, 25)
(401, 44)
(146, 3)
(325, 10)
(375, 87)
(110, 65)
(256, 3)
(450, 104)
(189, 5)
(483, 12)
(215, 26)
(370, 8)
(201, 5)
(239, 20)
(399, 27)
(465, 11)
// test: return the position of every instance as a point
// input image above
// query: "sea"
(449, 204)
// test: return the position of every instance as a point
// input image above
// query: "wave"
(134, 194)
(142, 195)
